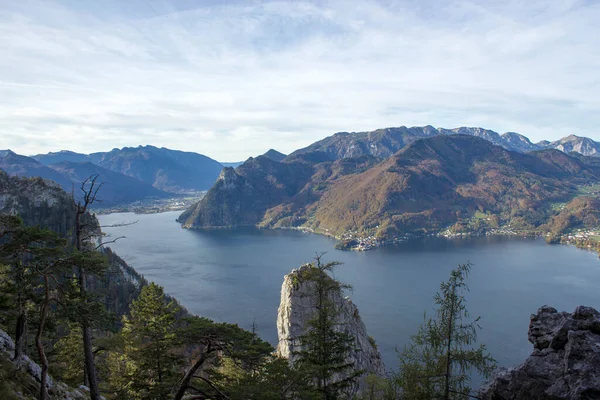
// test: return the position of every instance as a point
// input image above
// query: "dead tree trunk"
(20, 338)
(38, 342)
(89, 196)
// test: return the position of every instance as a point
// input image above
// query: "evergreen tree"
(16, 284)
(229, 357)
(324, 347)
(438, 360)
(69, 357)
(38, 257)
(148, 364)
(274, 379)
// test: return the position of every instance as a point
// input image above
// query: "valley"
(299, 200)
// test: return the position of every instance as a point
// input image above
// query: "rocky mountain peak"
(297, 308)
(229, 178)
(274, 155)
(7, 152)
(565, 363)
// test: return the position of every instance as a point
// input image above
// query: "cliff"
(241, 197)
(297, 307)
(565, 363)
(37, 201)
(24, 383)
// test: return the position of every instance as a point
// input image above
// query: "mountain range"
(383, 143)
(360, 183)
(137, 173)
(117, 188)
(168, 170)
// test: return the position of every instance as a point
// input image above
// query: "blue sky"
(233, 79)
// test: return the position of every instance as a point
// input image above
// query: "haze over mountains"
(129, 174)
(117, 188)
(168, 170)
(137, 173)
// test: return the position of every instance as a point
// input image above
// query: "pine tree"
(69, 356)
(149, 368)
(439, 358)
(38, 257)
(324, 347)
(237, 354)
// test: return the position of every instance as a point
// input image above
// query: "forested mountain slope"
(424, 187)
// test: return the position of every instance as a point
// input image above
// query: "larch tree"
(437, 362)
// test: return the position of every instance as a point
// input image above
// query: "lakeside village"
(582, 238)
(353, 241)
(155, 206)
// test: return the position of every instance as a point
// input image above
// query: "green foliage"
(323, 348)
(239, 367)
(69, 357)
(439, 358)
(147, 368)
(275, 379)
(378, 388)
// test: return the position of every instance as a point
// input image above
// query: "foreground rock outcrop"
(24, 383)
(565, 363)
(297, 307)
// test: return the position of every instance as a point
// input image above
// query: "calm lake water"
(236, 275)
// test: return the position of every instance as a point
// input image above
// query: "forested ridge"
(444, 184)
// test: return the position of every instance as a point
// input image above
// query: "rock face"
(57, 390)
(384, 143)
(37, 201)
(582, 145)
(565, 363)
(241, 197)
(297, 307)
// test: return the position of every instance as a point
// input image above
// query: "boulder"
(565, 363)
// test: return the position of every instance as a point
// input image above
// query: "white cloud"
(232, 81)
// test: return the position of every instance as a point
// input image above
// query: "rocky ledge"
(297, 308)
(30, 372)
(565, 363)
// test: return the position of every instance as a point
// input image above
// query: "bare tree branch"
(109, 242)
(212, 385)
(120, 224)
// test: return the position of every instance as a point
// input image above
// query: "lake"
(235, 276)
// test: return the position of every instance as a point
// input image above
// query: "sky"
(232, 79)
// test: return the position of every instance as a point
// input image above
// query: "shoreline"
(351, 242)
